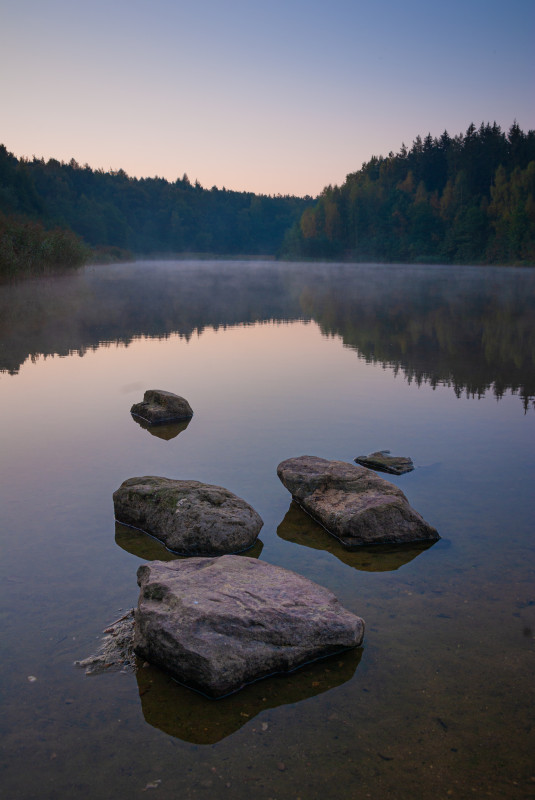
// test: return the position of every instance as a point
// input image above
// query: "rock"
(159, 406)
(353, 503)
(116, 649)
(218, 624)
(189, 517)
(384, 462)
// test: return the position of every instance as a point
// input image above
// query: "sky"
(267, 96)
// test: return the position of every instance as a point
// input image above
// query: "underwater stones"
(218, 624)
(116, 649)
(353, 503)
(384, 462)
(159, 406)
(189, 517)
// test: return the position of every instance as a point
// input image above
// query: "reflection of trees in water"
(472, 329)
(114, 305)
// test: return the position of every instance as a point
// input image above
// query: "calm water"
(276, 361)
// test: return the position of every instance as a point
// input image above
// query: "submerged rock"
(384, 462)
(353, 503)
(159, 406)
(189, 517)
(116, 649)
(218, 624)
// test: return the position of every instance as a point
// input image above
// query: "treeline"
(466, 199)
(147, 215)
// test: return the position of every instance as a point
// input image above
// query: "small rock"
(382, 461)
(152, 785)
(32, 678)
(160, 406)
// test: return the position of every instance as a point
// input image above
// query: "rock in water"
(218, 624)
(189, 517)
(353, 503)
(115, 651)
(159, 406)
(383, 461)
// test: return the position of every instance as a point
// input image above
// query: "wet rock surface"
(384, 462)
(218, 624)
(189, 517)
(353, 503)
(159, 406)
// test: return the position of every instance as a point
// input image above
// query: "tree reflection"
(469, 328)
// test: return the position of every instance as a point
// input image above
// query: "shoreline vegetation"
(469, 199)
(27, 249)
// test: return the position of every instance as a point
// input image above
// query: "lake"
(277, 360)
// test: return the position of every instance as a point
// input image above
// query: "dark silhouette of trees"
(147, 215)
(466, 199)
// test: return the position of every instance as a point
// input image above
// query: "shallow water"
(277, 360)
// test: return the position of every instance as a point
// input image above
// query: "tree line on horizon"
(463, 199)
(115, 214)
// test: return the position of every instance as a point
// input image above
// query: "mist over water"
(473, 328)
(277, 360)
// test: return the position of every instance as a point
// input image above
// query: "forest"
(114, 214)
(467, 199)
(463, 199)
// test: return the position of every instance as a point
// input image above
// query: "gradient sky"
(285, 96)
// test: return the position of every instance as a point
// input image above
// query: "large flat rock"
(218, 624)
(353, 503)
(159, 406)
(189, 517)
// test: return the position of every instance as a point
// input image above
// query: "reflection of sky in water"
(446, 628)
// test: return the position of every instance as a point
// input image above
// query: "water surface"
(277, 361)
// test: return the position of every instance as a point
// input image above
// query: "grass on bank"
(28, 248)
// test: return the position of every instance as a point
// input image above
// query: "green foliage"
(469, 199)
(149, 215)
(27, 248)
